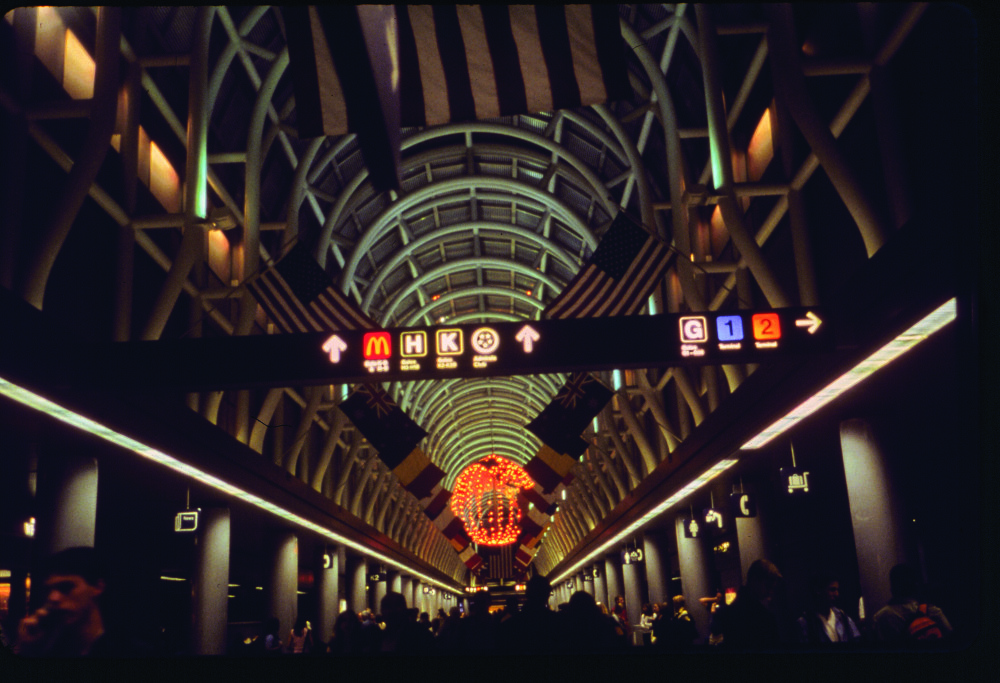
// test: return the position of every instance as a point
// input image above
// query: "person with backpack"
(907, 619)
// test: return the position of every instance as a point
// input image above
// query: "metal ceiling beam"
(378, 228)
(460, 265)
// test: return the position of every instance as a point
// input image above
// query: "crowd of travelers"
(70, 623)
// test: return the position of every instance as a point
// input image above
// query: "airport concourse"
(361, 332)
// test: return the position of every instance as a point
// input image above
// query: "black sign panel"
(713, 519)
(796, 479)
(692, 528)
(479, 350)
(742, 505)
(633, 556)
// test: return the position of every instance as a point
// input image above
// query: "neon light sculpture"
(485, 498)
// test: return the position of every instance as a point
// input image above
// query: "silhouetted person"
(447, 637)
(749, 624)
(402, 634)
(300, 639)
(535, 629)
(70, 622)
(585, 630)
(346, 638)
(478, 632)
(425, 620)
(824, 622)
(646, 623)
(370, 632)
(272, 644)
(680, 632)
(623, 613)
(907, 619)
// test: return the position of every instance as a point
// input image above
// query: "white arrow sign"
(812, 321)
(334, 345)
(528, 336)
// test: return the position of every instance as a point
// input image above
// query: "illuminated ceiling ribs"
(493, 219)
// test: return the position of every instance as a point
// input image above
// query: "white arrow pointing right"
(334, 345)
(811, 321)
(527, 336)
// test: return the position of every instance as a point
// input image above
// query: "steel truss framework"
(493, 219)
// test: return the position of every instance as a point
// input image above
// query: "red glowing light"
(485, 498)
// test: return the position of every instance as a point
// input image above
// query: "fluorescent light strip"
(883, 356)
(927, 326)
(694, 485)
(32, 400)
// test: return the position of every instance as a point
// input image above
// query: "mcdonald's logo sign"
(377, 345)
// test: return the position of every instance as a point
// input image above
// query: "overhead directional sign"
(476, 350)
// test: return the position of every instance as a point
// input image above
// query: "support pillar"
(600, 584)
(378, 591)
(210, 583)
(657, 565)
(67, 502)
(750, 543)
(875, 513)
(406, 587)
(634, 579)
(588, 583)
(396, 582)
(696, 580)
(327, 591)
(613, 574)
(283, 580)
(357, 575)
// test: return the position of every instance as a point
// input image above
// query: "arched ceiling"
(495, 217)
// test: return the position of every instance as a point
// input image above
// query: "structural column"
(875, 514)
(587, 579)
(378, 591)
(613, 574)
(395, 581)
(210, 583)
(635, 593)
(283, 580)
(600, 584)
(357, 575)
(750, 542)
(405, 583)
(415, 592)
(67, 502)
(657, 559)
(696, 580)
(327, 591)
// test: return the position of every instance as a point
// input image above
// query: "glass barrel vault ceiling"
(493, 219)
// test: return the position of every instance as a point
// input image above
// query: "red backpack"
(922, 627)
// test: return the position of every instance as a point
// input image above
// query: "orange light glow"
(50, 40)
(218, 254)
(79, 69)
(760, 151)
(716, 221)
(163, 180)
(74, 68)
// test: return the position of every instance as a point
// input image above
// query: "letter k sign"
(449, 342)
